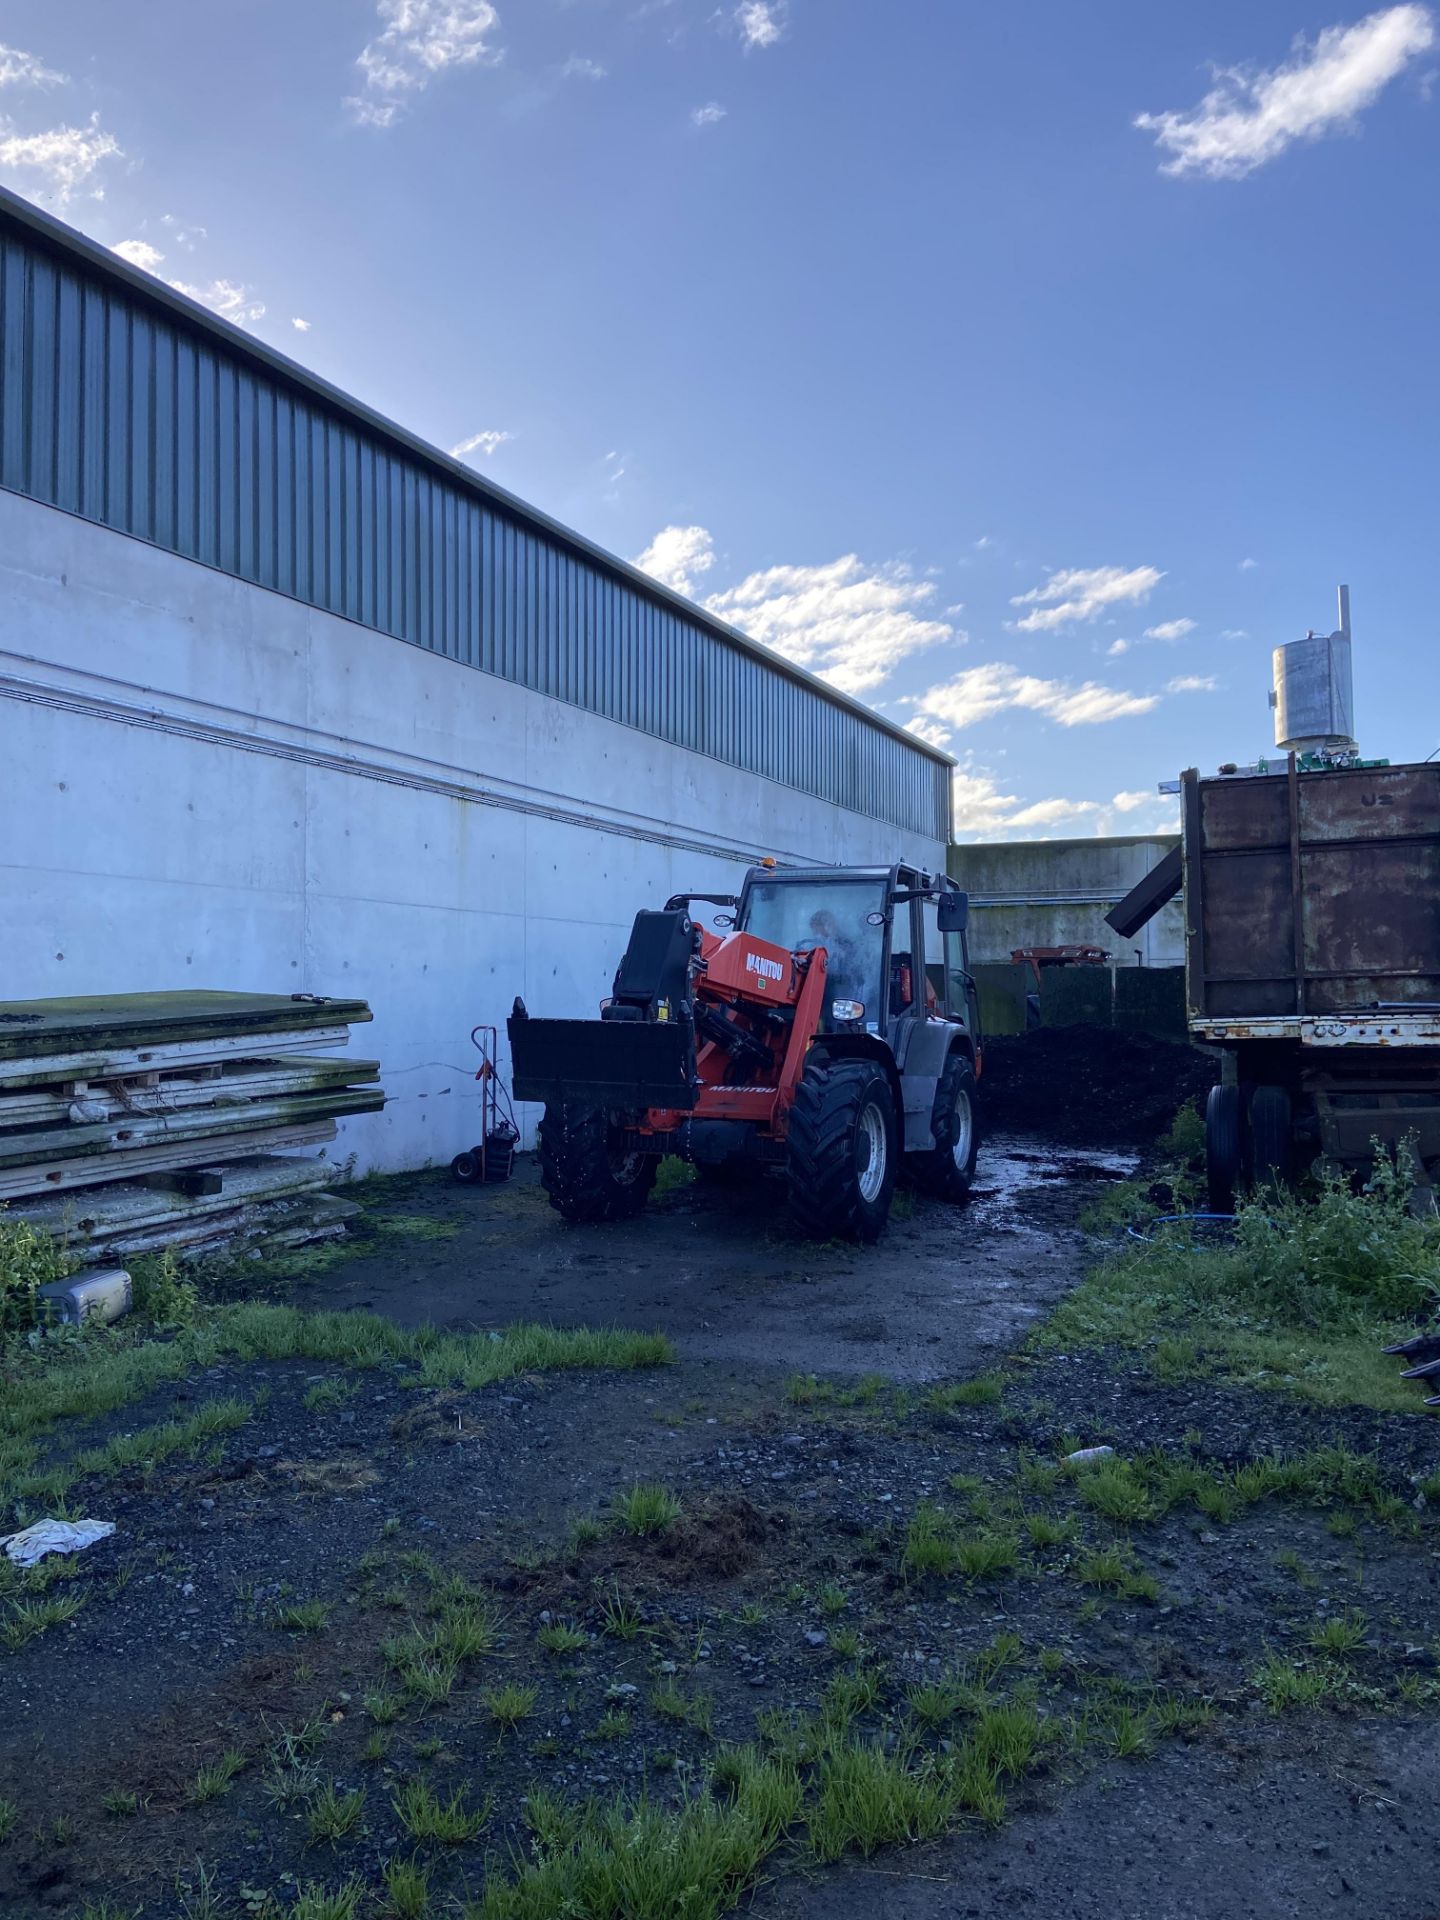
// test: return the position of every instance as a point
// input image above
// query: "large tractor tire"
(587, 1173)
(1224, 1147)
(842, 1151)
(948, 1169)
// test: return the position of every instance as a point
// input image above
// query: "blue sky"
(1029, 370)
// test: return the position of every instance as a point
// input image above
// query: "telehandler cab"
(826, 1027)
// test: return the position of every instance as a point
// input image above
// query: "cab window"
(801, 915)
(935, 960)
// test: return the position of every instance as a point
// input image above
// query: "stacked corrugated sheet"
(131, 1122)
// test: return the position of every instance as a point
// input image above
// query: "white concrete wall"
(204, 784)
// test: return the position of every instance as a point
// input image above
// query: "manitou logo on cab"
(767, 969)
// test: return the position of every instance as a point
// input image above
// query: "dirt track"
(943, 1293)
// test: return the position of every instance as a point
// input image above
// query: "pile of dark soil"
(1091, 1086)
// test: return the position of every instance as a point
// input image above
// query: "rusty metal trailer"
(1312, 918)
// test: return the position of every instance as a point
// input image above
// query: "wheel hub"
(871, 1150)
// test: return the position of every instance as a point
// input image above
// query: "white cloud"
(1128, 802)
(1083, 593)
(228, 298)
(1246, 565)
(1193, 683)
(1116, 648)
(1252, 116)
(1233, 633)
(981, 809)
(139, 253)
(1170, 630)
(300, 326)
(676, 555)
(181, 235)
(710, 115)
(61, 159)
(850, 623)
(419, 39)
(18, 69)
(980, 692)
(485, 443)
(761, 22)
(983, 542)
(577, 67)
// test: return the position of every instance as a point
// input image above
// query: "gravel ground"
(781, 1580)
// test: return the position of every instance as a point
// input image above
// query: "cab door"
(927, 1029)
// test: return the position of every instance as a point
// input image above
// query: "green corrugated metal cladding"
(128, 406)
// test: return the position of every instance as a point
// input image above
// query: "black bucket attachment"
(625, 1064)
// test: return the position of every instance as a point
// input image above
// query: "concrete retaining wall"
(1053, 893)
(207, 784)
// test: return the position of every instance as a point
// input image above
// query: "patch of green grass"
(1048, 1529)
(695, 1710)
(866, 1797)
(1284, 1686)
(933, 1702)
(86, 1379)
(1114, 1489)
(673, 1175)
(328, 1396)
(1301, 1300)
(1129, 1733)
(449, 1822)
(1006, 1737)
(804, 1390)
(1339, 1632)
(563, 1636)
(648, 1862)
(620, 1617)
(929, 1548)
(1174, 1360)
(303, 1616)
(121, 1804)
(382, 1706)
(984, 1391)
(645, 1509)
(1174, 1713)
(314, 1902)
(9, 1814)
(333, 1814)
(507, 1706)
(416, 1226)
(832, 1599)
(407, 1890)
(376, 1748)
(216, 1778)
(613, 1726)
(846, 1642)
(1114, 1568)
(848, 1695)
(1035, 1475)
(26, 1619)
(985, 1556)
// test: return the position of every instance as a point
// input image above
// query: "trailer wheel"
(842, 1152)
(1224, 1147)
(586, 1171)
(948, 1169)
(1272, 1131)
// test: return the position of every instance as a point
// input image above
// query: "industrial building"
(292, 701)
